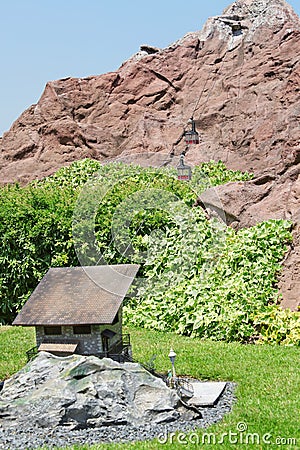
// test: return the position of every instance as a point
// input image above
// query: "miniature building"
(79, 310)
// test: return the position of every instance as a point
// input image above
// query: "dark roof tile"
(78, 295)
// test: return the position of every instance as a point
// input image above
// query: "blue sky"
(43, 40)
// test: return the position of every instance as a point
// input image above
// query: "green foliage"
(36, 220)
(215, 173)
(223, 279)
(75, 175)
(35, 226)
(279, 326)
(197, 277)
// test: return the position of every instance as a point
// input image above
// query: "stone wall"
(88, 343)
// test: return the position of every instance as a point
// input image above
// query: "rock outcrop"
(238, 77)
(85, 391)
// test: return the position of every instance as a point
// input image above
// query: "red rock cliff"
(239, 77)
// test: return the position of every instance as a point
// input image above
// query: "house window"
(82, 329)
(52, 330)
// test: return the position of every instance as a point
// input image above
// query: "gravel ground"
(33, 438)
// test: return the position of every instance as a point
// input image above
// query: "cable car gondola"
(191, 136)
(184, 172)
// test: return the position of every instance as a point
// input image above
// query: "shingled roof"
(78, 295)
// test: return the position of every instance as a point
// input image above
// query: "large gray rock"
(82, 391)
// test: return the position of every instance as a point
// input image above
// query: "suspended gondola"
(191, 136)
(184, 172)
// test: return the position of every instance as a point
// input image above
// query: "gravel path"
(33, 438)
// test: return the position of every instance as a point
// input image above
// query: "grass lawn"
(267, 377)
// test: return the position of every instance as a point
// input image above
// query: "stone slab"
(206, 393)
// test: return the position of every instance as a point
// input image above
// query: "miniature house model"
(79, 310)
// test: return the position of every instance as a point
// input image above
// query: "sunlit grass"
(14, 341)
(267, 377)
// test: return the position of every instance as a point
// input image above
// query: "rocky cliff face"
(239, 78)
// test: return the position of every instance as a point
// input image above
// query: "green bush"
(278, 326)
(224, 279)
(35, 226)
(197, 277)
(36, 220)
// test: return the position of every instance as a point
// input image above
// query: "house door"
(106, 336)
(105, 344)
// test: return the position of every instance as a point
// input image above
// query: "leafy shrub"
(223, 279)
(35, 228)
(197, 277)
(36, 220)
(278, 326)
